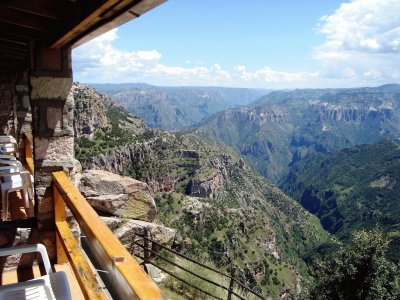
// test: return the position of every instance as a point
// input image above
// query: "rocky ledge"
(118, 196)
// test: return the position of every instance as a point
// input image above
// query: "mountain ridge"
(224, 212)
(285, 126)
(172, 108)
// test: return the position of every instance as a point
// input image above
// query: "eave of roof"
(110, 15)
(56, 24)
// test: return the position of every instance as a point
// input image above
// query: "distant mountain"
(351, 189)
(173, 108)
(285, 126)
(224, 212)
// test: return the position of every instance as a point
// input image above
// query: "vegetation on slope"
(357, 270)
(285, 126)
(354, 188)
(118, 127)
(237, 217)
(172, 108)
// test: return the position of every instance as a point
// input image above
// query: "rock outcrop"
(130, 159)
(116, 195)
(89, 113)
(125, 230)
(206, 185)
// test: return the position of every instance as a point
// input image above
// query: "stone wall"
(23, 106)
(52, 126)
(37, 101)
(6, 105)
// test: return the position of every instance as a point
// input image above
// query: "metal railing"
(148, 246)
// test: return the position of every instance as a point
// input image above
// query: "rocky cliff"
(172, 108)
(88, 104)
(221, 209)
(115, 195)
(286, 126)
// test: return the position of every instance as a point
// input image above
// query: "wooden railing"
(126, 275)
(28, 145)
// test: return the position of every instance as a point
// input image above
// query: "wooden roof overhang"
(59, 23)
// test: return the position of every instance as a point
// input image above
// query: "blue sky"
(257, 43)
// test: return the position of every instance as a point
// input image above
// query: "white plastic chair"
(8, 145)
(14, 178)
(7, 138)
(11, 162)
(7, 157)
(9, 148)
(50, 286)
(15, 181)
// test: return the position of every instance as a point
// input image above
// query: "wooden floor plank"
(76, 292)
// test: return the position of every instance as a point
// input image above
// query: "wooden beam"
(83, 272)
(15, 48)
(106, 17)
(84, 24)
(13, 40)
(13, 54)
(9, 60)
(10, 66)
(42, 8)
(19, 19)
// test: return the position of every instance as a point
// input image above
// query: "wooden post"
(28, 157)
(146, 252)
(232, 281)
(59, 216)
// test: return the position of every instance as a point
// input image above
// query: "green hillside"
(225, 212)
(172, 108)
(285, 126)
(354, 188)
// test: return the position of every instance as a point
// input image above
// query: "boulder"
(125, 231)
(117, 195)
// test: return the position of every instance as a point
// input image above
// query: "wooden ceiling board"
(60, 23)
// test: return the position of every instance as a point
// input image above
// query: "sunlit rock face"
(117, 195)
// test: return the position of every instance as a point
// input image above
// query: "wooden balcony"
(125, 278)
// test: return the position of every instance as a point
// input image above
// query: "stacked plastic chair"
(12, 174)
(8, 145)
(53, 285)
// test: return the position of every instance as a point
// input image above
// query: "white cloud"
(267, 76)
(99, 61)
(362, 42)
(362, 47)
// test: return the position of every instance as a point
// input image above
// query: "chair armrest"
(24, 173)
(9, 168)
(10, 174)
(14, 287)
(10, 162)
(29, 249)
(7, 157)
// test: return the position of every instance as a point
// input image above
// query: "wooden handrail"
(68, 251)
(128, 278)
(28, 144)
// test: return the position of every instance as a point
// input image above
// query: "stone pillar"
(23, 106)
(53, 134)
(6, 105)
(22, 109)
